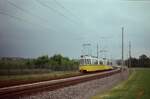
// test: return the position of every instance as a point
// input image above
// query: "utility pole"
(97, 54)
(97, 51)
(129, 53)
(122, 46)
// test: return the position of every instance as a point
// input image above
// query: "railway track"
(25, 89)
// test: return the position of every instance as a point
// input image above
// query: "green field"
(136, 87)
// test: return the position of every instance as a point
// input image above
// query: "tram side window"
(94, 61)
(101, 63)
(86, 61)
(82, 61)
(89, 61)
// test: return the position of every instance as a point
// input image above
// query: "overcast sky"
(30, 28)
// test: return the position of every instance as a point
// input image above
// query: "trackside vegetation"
(42, 64)
(136, 87)
(10, 80)
(14, 70)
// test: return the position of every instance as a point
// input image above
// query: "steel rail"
(15, 91)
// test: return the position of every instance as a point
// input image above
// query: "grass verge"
(136, 87)
(11, 80)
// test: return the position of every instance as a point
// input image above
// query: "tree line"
(142, 61)
(55, 63)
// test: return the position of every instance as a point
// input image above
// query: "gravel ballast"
(83, 90)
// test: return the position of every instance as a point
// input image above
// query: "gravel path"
(83, 90)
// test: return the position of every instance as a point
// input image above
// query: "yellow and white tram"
(92, 64)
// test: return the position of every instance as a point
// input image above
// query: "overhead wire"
(38, 17)
(29, 13)
(11, 16)
(67, 10)
(74, 16)
(56, 11)
(77, 22)
(20, 19)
